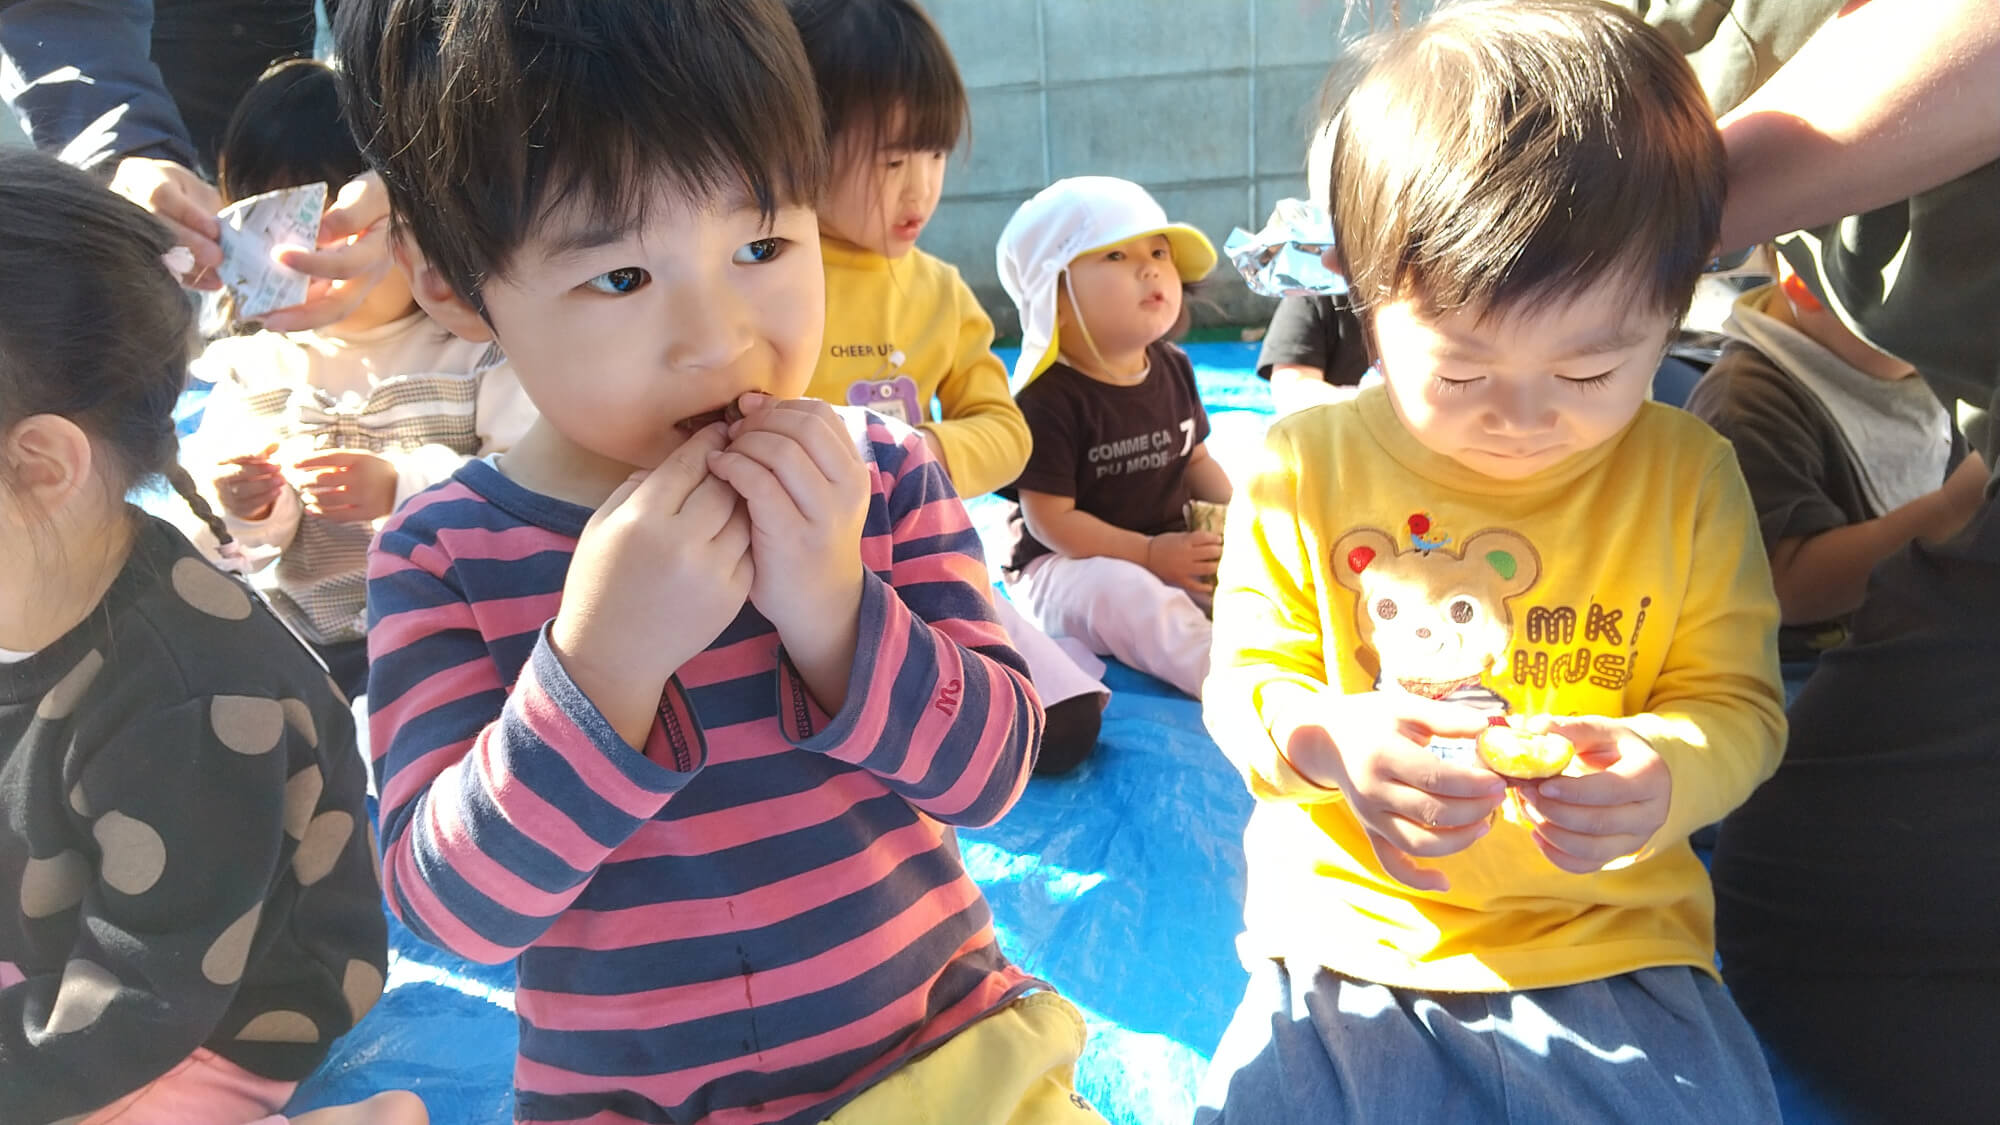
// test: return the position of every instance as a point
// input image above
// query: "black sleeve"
(1052, 429)
(1300, 334)
(1779, 443)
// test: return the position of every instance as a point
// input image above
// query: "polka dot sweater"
(184, 851)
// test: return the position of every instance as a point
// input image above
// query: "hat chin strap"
(1064, 290)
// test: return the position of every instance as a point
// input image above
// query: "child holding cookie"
(1505, 531)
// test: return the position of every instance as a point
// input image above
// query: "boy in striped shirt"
(678, 702)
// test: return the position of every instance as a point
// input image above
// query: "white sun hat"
(1065, 221)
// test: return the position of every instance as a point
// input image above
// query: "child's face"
(1516, 394)
(881, 198)
(630, 341)
(1126, 297)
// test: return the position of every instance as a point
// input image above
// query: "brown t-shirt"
(1121, 452)
(1802, 476)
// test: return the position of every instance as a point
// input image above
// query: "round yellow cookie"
(1515, 753)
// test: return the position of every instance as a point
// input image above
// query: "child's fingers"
(1403, 869)
(1415, 767)
(789, 462)
(1438, 813)
(709, 509)
(1583, 855)
(339, 460)
(1626, 818)
(1436, 719)
(769, 502)
(813, 426)
(251, 476)
(618, 496)
(361, 204)
(667, 488)
(1205, 539)
(1424, 841)
(1202, 553)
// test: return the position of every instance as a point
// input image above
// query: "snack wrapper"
(1209, 516)
(1284, 259)
(251, 229)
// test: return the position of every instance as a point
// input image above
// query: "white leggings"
(1119, 609)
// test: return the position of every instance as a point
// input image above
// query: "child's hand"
(1582, 823)
(661, 569)
(1186, 560)
(250, 490)
(348, 486)
(1374, 746)
(804, 483)
(1961, 496)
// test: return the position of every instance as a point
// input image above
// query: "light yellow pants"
(1015, 1067)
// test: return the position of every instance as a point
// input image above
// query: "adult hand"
(184, 202)
(353, 255)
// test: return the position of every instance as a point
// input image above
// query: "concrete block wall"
(1208, 103)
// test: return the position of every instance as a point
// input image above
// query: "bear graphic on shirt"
(1434, 620)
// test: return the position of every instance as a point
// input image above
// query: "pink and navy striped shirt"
(765, 911)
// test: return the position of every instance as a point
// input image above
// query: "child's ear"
(436, 294)
(48, 460)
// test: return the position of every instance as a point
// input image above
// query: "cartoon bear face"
(1435, 616)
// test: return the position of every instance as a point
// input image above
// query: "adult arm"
(1892, 98)
(79, 74)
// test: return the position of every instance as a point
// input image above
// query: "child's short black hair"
(1506, 152)
(287, 131)
(886, 79)
(482, 117)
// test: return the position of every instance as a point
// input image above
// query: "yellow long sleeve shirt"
(904, 332)
(1628, 581)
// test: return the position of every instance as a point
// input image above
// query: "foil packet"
(1284, 259)
(251, 229)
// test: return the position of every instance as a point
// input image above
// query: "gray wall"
(1208, 103)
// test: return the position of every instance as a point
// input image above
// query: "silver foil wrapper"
(1285, 258)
